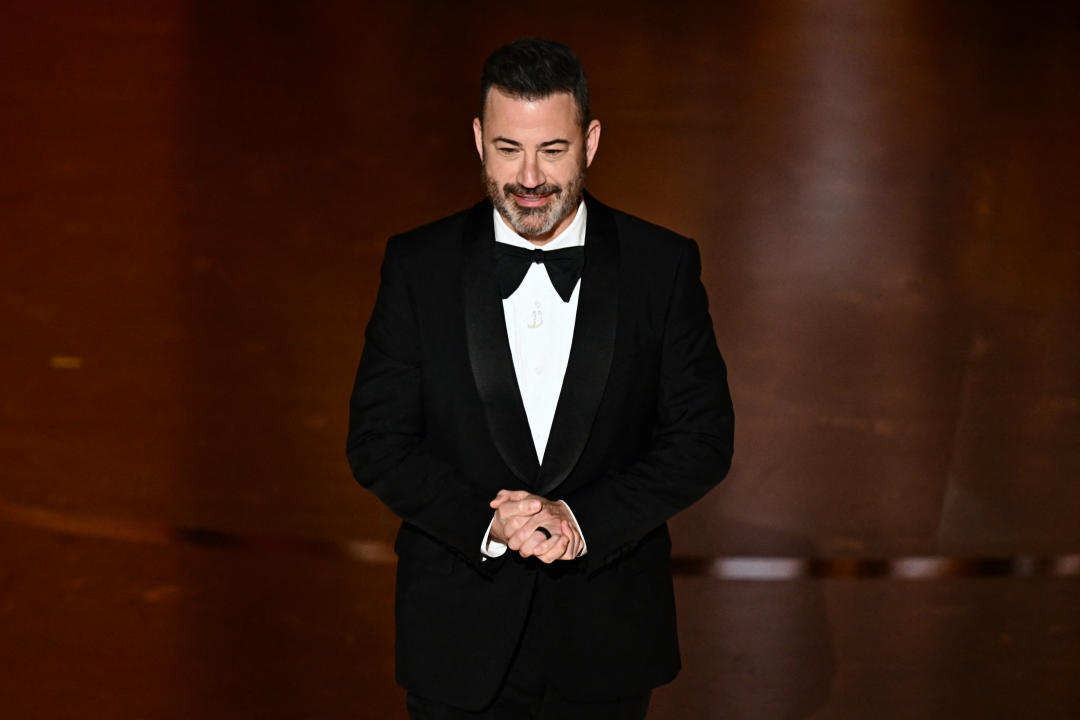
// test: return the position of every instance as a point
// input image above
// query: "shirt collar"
(572, 236)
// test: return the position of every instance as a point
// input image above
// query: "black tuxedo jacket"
(642, 429)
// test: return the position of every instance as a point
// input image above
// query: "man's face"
(534, 157)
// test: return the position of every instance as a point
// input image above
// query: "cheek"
(497, 171)
(491, 174)
(565, 176)
(566, 171)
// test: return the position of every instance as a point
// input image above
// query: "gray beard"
(534, 222)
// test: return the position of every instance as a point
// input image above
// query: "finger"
(526, 530)
(579, 539)
(572, 545)
(515, 538)
(529, 545)
(504, 495)
(512, 525)
(524, 507)
(575, 535)
(523, 529)
(537, 543)
(570, 541)
(515, 511)
(512, 531)
(556, 551)
(511, 522)
(506, 523)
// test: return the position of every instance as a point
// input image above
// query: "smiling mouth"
(531, 200)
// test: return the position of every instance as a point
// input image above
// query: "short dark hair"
(533, 69)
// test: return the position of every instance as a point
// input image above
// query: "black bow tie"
(563, 267)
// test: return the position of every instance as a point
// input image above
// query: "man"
(540, 390)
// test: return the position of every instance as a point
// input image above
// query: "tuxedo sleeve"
(385, 446)
(692, 439)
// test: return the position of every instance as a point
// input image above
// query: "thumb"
(500, 497)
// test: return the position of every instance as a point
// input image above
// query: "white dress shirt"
(540, 328)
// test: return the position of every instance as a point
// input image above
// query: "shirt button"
(539, 371)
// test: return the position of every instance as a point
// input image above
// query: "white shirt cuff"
(492, 548)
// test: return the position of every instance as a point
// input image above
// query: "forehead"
(554, 116)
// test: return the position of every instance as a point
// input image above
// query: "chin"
(532, 229)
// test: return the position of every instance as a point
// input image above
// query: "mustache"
(545, 189)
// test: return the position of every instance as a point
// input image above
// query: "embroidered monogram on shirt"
(537, 317)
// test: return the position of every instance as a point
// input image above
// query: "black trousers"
(526, 694)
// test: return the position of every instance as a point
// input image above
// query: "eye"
(506, 150)
(553, 152)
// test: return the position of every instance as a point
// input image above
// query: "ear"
(478, 134)
(592, 141)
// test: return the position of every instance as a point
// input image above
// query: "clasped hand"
(519, 514)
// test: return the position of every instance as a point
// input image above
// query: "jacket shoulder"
(649, 242)
(436, 229)
(431, 239)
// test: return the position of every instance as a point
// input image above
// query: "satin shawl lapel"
(489, 349)
(591, 352)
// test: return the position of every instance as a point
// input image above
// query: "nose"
(529, 174)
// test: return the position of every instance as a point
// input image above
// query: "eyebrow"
(515, 143)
